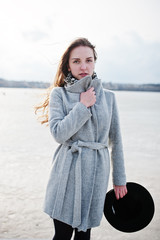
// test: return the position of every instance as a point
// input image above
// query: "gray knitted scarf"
(70, 80)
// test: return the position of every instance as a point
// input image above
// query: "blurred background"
(35, 33)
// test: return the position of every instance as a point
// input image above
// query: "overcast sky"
(35, 33)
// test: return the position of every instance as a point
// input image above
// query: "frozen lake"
(26, 150)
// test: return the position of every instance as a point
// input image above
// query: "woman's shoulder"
(110, 96)
(109, 93)
(57, 91)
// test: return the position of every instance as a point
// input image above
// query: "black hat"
(132, 212)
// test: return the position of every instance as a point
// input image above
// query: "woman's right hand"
(88, 98)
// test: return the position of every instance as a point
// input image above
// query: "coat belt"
(75, 147)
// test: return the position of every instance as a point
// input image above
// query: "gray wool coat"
(79, 175)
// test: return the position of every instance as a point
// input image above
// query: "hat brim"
(131, 213)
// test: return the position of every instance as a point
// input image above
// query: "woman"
(83, 119)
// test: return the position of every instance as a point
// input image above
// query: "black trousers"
(64, 231)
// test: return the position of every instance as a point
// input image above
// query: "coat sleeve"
(62, 126)
(115, 142)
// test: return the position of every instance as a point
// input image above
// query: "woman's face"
(81, 62)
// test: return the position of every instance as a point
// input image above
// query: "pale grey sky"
(35, 33)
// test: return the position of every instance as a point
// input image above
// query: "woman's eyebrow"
(75, 58)
(79, 58)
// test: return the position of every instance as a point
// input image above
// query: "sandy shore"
(26, 150)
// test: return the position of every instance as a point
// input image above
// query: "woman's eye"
(89, 60)
(76, 61)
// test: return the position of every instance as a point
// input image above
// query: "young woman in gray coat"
(83, 119)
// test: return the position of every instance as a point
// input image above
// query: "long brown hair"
(61, 74)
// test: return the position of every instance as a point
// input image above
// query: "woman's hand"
(88, 98)
(120, 191)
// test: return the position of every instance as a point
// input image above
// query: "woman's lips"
(83, 74)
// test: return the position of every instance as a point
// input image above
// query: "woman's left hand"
(120, 191)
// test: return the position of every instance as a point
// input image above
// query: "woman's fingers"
(88, 98)
(120, 191)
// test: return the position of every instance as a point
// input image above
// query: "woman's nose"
(83, 66)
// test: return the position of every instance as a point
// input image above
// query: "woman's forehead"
(82, 51)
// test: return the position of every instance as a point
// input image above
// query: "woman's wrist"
(84, 104)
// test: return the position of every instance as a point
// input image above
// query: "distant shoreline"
(132, 87)
(108, 85)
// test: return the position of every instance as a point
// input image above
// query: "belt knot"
(74, 147)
